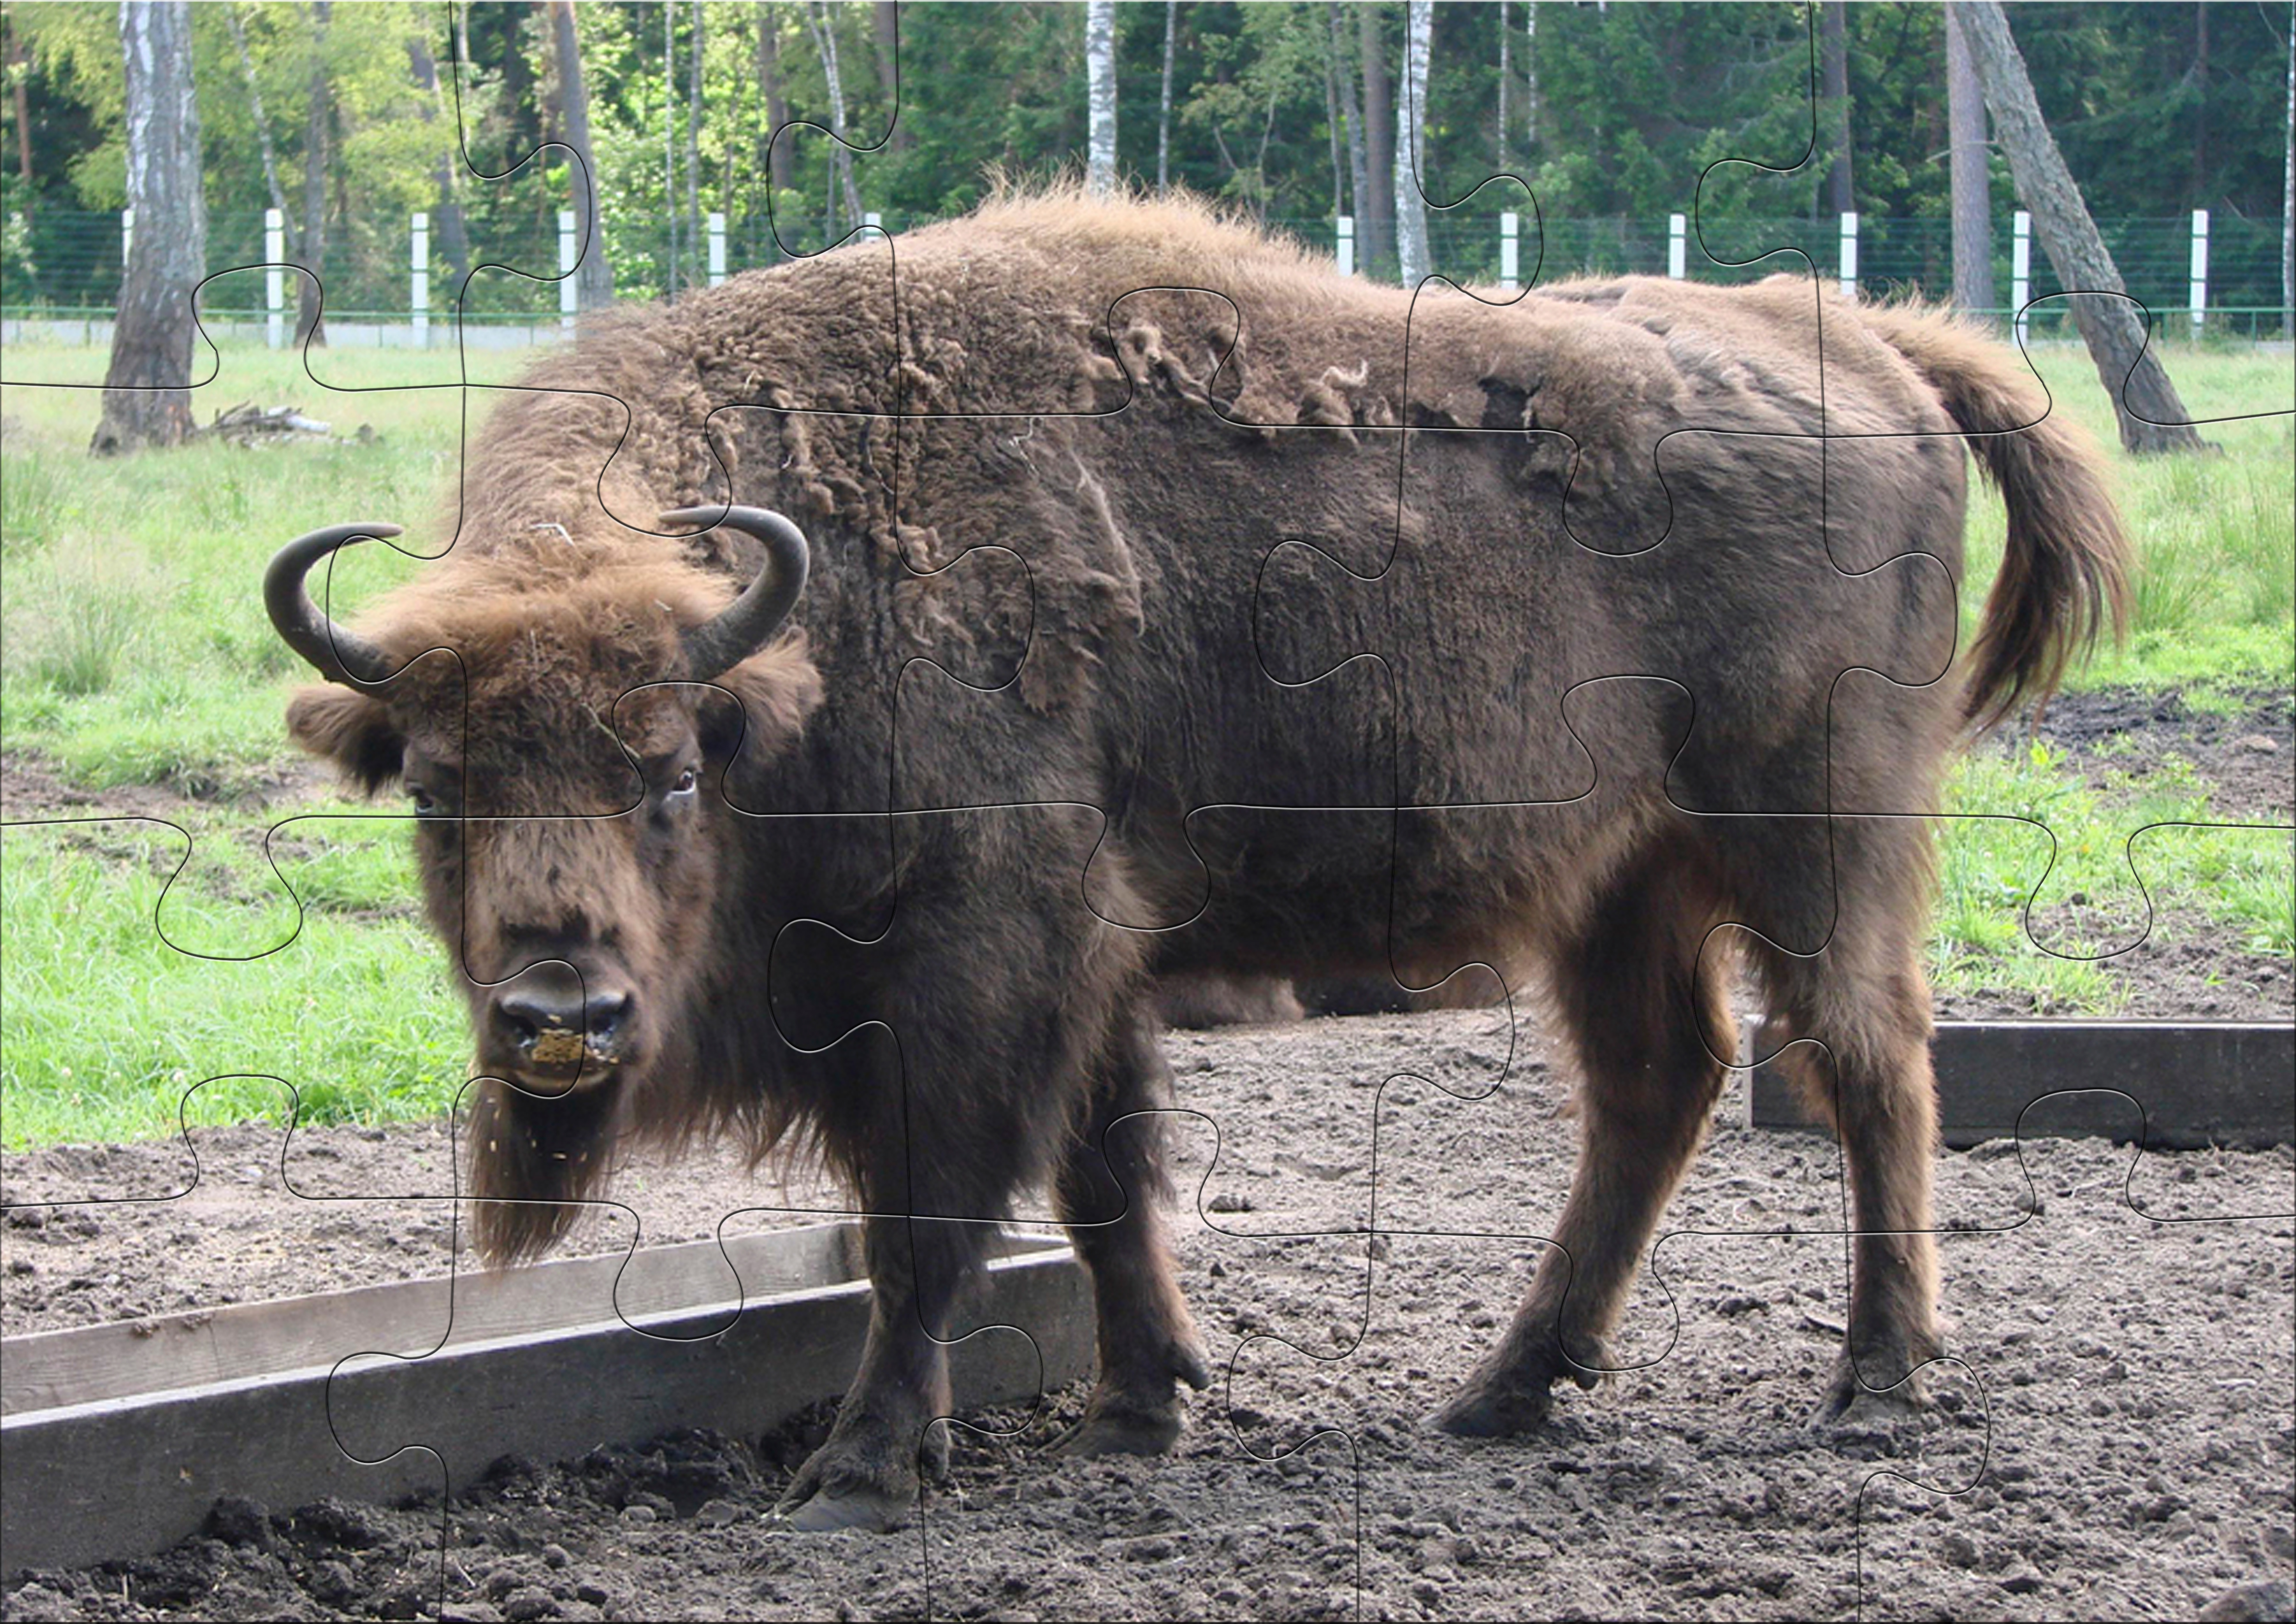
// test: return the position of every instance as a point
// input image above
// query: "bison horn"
(743, 626)
(341, 655)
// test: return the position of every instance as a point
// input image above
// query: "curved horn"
(743, 626)
(340, 655)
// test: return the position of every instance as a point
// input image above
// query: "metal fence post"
(127, 240)
(1347, 245)
(1850, 253)
(2021, 268)
(1678, 246)
(2199, 295)
(565, 252)
(1509, 249)
(871, 220)
(274, 279)
(418, 291)
(717, 248)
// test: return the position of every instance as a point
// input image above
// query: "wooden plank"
(2221, 1083)
(125, 1475)
(49, 1369)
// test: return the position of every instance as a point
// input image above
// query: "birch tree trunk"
(2152, 418)
(1332, 125)
(311, 250)
(1100, 89)
(1530, 76)
(697, 251)
(1358, 162)
(1164, 104)
(2288, 197)
(147, 387)
(1410, 118)
(1376, 230)
(1971, 186)
(823, 27)
(594, 276)
(1507, 73)
(263, 142)
(670, 141)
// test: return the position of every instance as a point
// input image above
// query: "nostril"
(525, 1016)
(602, 1016)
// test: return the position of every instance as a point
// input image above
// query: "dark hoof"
(1123, 1431)
(865, 1509)
(1191, 1365)
(1487, 1410)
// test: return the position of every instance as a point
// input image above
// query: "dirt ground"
(2117, 1440)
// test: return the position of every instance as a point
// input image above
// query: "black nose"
(552, 1021)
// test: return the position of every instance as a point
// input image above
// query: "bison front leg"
(865, 1474)
(1109, 1191)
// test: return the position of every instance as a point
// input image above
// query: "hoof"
(864, 1509)
(1123, 1431)
(1851, 1402)
(1481, 1410)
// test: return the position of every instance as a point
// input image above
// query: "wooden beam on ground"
(119, 1437)
(2218, 1083)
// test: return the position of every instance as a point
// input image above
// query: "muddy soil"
(2118, 1439)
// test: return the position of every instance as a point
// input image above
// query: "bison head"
(562, 719)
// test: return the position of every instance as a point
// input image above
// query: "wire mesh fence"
(60, 265)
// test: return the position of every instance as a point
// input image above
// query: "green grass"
(134, 652)
(2082, 876)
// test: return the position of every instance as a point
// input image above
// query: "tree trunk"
(1100, 96)
(311, 251)
(824, 27)
(1410, 118)
(769, 74)
(886, 17)
(1358, 160)
(1375, 232)
(1164, 106)
(2152, 418)
(670, 279)
(263, 143)
(594, 276)
(2288, 196)
(2200, 187)
(147, 387)
(1836, 49)
(1507, 73)
(1331, 126)
(696, 241)
(1972, 191)
(451, 231)
(1530, 77)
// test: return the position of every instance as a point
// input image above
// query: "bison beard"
(634, 791)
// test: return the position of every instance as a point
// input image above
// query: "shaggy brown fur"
(1608, 514)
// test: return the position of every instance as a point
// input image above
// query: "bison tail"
(2064, 574)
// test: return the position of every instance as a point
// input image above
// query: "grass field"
(138, 665)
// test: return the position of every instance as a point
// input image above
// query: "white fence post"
(418, 291)
(871, 220)
(2021, 268)
(717, 248)
(1510, 249)
(274, 279)
(1347, 245)
(127, 240)
(1678, 246)
(2199, 296)
(567, 303)
(1850, 253)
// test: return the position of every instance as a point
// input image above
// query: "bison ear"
(778, 690)
(351, 729)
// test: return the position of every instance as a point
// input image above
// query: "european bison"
(632, 772)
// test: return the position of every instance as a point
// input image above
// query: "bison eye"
(687, 781)
(426, 805)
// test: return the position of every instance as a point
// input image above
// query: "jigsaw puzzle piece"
(81, 902)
